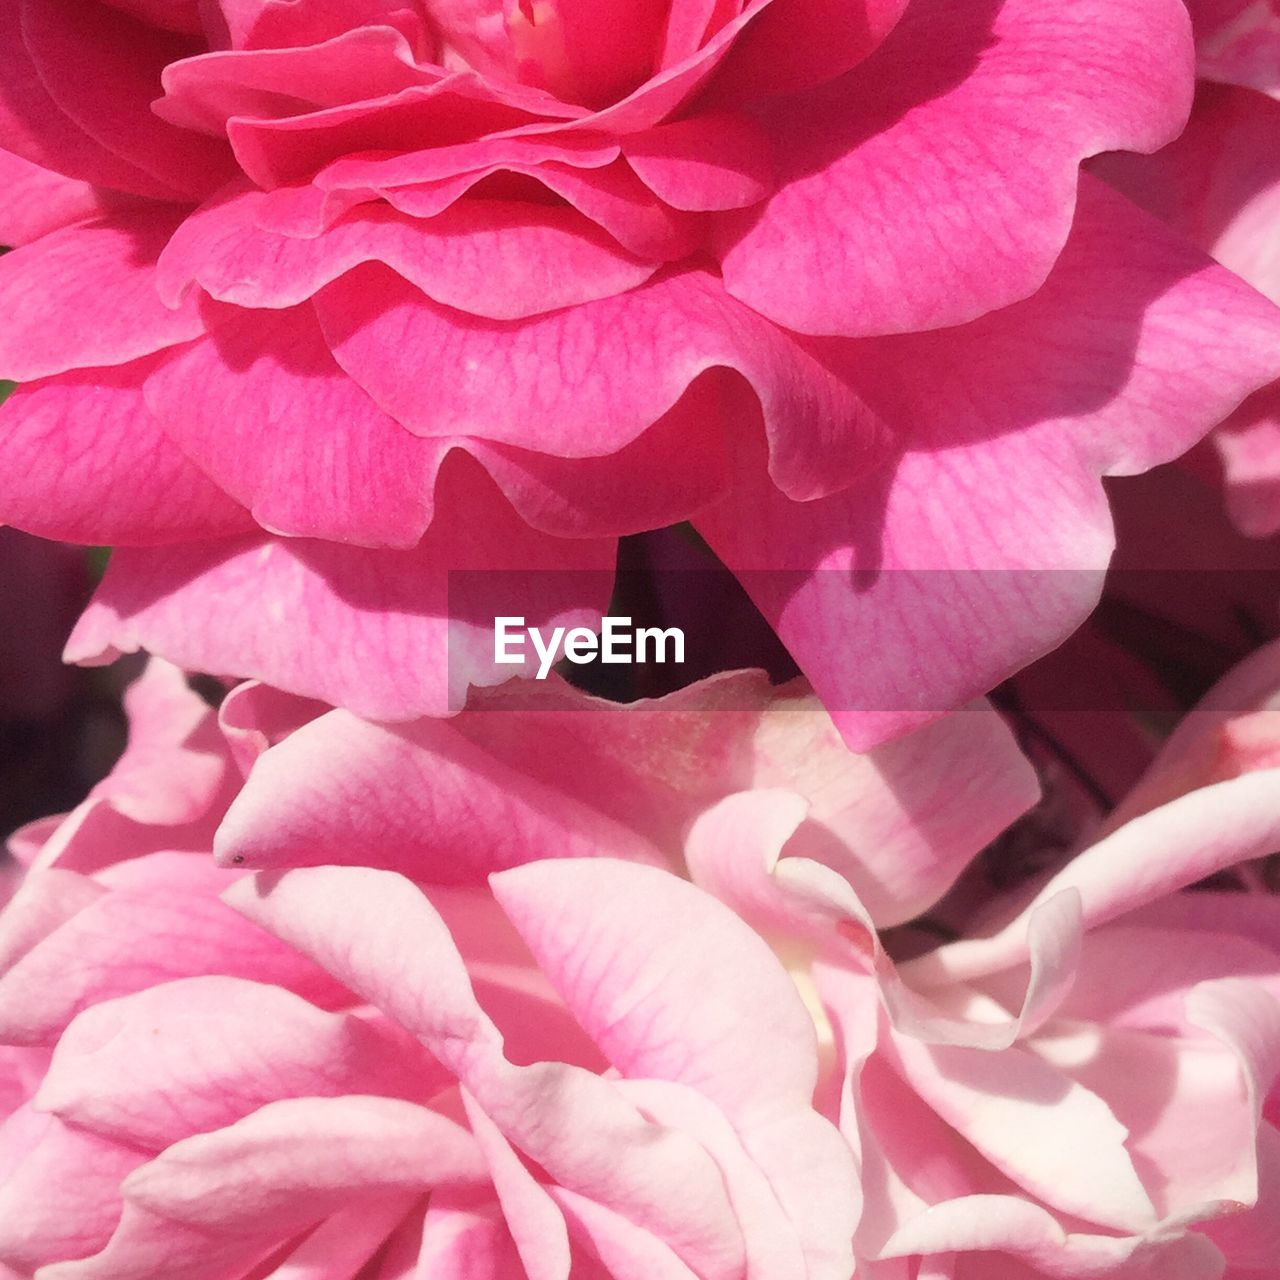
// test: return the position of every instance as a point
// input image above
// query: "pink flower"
(588, 1061)
(318, 301)
(1033, 1099)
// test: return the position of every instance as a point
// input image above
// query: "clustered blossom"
(349, 327)
(674, 1047)
(320, 303)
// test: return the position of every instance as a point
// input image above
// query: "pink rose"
(318, 301)
(589, 1061)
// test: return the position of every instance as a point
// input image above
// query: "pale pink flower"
(1079, 1087)
(320, 300)
(579, 1061)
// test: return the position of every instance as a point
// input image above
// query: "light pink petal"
(1007, 1224)
(346, 1241)
(620, 364)
(736, 1032)
(42, 902)
(901, 822)
(537, 1227)
(72, 449)
(933, 155)
(1051, 1136)
(217, 1050)
(38, 1228)
(35, 201)
(128, 941)
(254, 717)
(113, 105)
(263, 409)
(941, 554)
(742, 1010)
(1251, 1239)
(63, 295)
(773, 1242)
(420, 799)
(294, 1162)
(625, 1251)
(389, 634)
(573, 1123)
(465, 1242)
(1154, 855)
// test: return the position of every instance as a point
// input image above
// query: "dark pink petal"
(620, 364)
(710, 161)
(457, 108)
(1238, 42)
(63, 297)
(483, 155)
(797, 44)
(984, 544)
(612, 197)
(34, 127)
(202, 93)
(113, 105)
(927, 189)
(500, 259)
(1249, 446)
(690, 23)
(385, 633)
(35, 201)
(284, 24)
(264, 411)
(73, 450)
(171, 15)
(633, 489)
(254, 717)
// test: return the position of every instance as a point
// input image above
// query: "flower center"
(586, 51)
